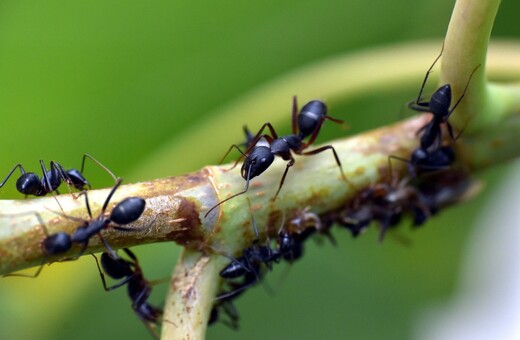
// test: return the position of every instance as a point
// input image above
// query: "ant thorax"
(282, 146)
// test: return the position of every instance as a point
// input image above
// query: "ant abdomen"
(29, 184)
(57, 243)
(128, 210)
(310, 114)
(440, 101)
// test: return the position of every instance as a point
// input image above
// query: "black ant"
(439, 107)
(249, 265)
(127, 211)
(263, 148)
(30, 184)
(139, 289)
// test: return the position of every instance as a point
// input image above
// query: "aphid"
(30, 184)
(439, 107)
(385, 203)
(263, 148)
(139, 289)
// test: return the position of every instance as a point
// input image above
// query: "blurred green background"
(126, 81)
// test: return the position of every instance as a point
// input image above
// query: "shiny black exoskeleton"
(30, 184)
(127, 211)
(263, 147)
(252, 258)
(439, 107)
(139, 289)
(250, 266)
(426, 161)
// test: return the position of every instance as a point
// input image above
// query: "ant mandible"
(139, 289)
(439, 107)
(263, 148)
(30, 184)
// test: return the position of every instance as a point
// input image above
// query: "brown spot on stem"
(189, 228)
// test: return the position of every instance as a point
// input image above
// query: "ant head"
(257, 162)
(28, 184)
(57, 243)
(128, 210)
(311, 116)
(77, 179)
(440, 102)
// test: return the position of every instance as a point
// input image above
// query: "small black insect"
(250, 266)
(439, 107)
(385, 203)
(139, 289)
(30, 183)
(263, 148)
(127, 211)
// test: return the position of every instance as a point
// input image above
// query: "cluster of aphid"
(420, 194)
(426, 188)
(125, 212)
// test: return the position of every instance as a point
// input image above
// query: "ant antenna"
(232, 196)
(86, 155)
(428, 73)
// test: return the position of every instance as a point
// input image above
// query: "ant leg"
(46, 178)
(248, 282)
(40, 268)
(252, 142)
(103, 280)
(109, 197)
(86, 155)
(289, 164)
(326, 147)
(253, 222)
(64, 177)
(463, 92)
(426, 78)
(411, 168)
(259, 135)
(33, 276)
(316, 131)
(22, 170)
(232, 196)
(335, 120)
(232, 312)
(243, 155)
(111, 252)
(294, 115)
(88, 204)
